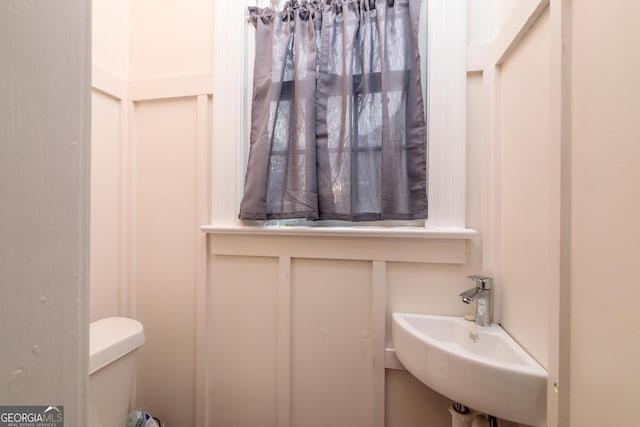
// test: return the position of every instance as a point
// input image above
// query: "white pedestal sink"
(480, 367)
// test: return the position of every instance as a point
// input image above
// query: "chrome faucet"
(481, 294)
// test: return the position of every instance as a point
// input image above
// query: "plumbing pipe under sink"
(461, 416)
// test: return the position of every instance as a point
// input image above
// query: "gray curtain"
(338, 129)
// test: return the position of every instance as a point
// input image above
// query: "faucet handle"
(482, 282)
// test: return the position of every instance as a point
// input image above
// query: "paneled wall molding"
(436, 251)
(203, 194)
(378, 325)
(391, 360)
(288, 317)
(491, 194)
(491, 59)
(152, 88)
(284, 343)
(129, 95)
(109, 83)
(170, 87)
(127, 202)
(522, 18)
(128, 175)
(487, 58)
(488, 55)
(560, 315)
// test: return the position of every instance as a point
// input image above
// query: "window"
(446, 109)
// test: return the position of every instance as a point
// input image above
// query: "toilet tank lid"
(112, 338)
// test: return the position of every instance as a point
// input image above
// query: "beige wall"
(483, 18)
(604, 263)
(110, 36)
(170, 38)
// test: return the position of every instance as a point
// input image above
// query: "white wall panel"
(450, 251)
(106, 206)
(331, 355)
(242, 341)
(166, 233)
(527, 268)
(321, 332)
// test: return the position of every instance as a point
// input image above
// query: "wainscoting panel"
(165, 138)
(440, 251)
(299, 333)
(106, 197)
(332, 357)
(242, 341)
(151, 141)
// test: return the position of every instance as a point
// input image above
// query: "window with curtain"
(337, 122)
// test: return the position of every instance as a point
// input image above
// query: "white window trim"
(233, 68)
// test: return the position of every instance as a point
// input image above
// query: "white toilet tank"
(112, 361)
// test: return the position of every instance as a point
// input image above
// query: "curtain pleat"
(338, 129)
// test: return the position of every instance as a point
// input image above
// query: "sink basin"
(480, 367)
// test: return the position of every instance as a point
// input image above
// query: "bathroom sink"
(480, 367)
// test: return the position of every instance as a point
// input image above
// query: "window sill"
(377, 232)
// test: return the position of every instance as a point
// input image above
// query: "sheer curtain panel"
(337, 121)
